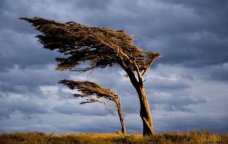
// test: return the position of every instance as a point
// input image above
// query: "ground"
(109, 138)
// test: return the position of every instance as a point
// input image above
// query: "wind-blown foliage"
(99, 47)
(93, 92)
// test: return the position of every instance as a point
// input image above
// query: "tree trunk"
(121, 117)
(145, 112)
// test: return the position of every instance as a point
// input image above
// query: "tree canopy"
(88, 89)
(93, 92)
(101, 47)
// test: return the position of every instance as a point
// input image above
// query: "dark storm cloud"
(89, 109)
(18, 43)
(191, 122)
(165, 85)
(109, 123)
(10, 14)
(17, 103)
(195, 50)
(175, 103)
(91, 4)
(184, 33)
(22, 50)
(203, 4)
(178, 29)
(216, 72)
(199, 42)
(19, 47)
(23, 80)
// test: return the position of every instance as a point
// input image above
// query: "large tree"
(93, 92)
(99, 47)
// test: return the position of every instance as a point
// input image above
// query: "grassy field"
(163, 138)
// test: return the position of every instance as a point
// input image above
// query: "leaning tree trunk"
(121, 116)
(145, 112)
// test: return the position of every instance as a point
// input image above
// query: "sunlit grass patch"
(110, 138)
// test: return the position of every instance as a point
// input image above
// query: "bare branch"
(138, 73)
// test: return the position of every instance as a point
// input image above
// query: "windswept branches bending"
(93, 92)
(88, 88)
(102, 47)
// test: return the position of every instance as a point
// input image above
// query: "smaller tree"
(93, 92)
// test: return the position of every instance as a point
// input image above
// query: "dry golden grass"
(162, 138)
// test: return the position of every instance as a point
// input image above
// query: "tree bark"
(121, 117)
(145, 112)
(123, 125)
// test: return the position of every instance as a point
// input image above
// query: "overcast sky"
(187, 87)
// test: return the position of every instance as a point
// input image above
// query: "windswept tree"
(100, 48)
(93, 92)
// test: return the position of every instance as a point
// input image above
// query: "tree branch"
(140, 78)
